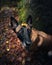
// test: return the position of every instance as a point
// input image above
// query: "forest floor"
(11, 50)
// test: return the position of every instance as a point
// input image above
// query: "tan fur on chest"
(33, 35)
(40, 37)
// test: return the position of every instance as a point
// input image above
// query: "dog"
(33, 40)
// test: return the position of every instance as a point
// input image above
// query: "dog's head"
(23, 30)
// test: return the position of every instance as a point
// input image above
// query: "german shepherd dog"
(32, 39)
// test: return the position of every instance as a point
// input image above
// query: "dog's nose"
(28, 42)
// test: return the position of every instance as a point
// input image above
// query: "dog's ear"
(29, 20)
(14, 23)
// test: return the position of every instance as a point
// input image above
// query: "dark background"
(43, 10)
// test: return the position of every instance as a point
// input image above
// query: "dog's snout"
(28, 42)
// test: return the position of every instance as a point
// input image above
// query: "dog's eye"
(20, 31)
(29, 31)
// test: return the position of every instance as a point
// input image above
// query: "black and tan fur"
(40, 42)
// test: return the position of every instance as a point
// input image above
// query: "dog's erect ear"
(29, 20)
(14, 22)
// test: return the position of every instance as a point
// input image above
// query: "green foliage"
(22, 10)
(22, 14)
